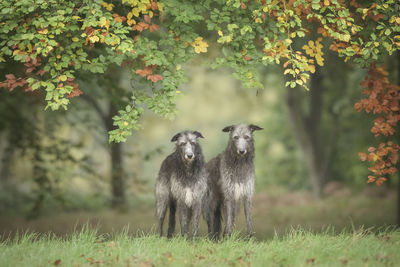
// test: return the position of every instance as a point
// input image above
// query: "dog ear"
(253, 127)
(198, 134)
(175, 138)
(228, 129)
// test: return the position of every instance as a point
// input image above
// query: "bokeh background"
(58, 171)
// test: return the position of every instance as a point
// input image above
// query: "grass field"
(274, 212)
(297, 248)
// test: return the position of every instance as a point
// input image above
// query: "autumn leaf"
(43, 31)
(57, 262)
(314, 49)
(363, 156)
(146, 71)
(199, 45)
(155, 78)
(107, 6)
(371, 179)
(380, 181)
(140, 26)
(169, 256)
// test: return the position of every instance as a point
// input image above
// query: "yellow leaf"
(220, 33)
(43, 31)
(62, 78)
(131, 21)
(258, 20)
(293, 34)
(199, 45)
(107, 6)
(319, 59)
(135, 11)
(311, 68)
(94, 38)
(75, 39)
(142, 7)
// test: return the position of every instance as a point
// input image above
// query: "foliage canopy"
(55, 40)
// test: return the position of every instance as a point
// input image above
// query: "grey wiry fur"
(231, 179)
(181, 184)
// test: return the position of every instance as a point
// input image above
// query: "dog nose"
(242, 151)
(189, 156)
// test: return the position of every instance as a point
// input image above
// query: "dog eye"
(183, 143)
(236, 137)
(246, 137)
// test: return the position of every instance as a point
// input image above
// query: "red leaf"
(286, 64)
(10, 76)
(154, 27)
(371, 179)
(146, 71)
(147, 18)
(243, 5)
(380, 181)
(57, 262)
(246, 58)
(155, 78)
(76, 92)
(140, 26)
(363, 156)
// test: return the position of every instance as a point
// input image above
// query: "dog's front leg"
(229, 212)
(184, 217)
(196, 218)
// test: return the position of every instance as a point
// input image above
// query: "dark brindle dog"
(181, 184)
(231, 179)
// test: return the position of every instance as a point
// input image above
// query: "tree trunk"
(117, 179)
(6, 160)
(307, 130)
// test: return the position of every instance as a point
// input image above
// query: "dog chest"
(183, 193)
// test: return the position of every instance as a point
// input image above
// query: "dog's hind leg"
(247, 203)
(217, 222)
(171, 224)
(161, 211)
(162, 201)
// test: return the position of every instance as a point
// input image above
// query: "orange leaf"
(362, 156)
(380, 181)
(155, 78)
(146, 71)
(371, 179)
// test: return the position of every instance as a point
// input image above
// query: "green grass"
(297, 248)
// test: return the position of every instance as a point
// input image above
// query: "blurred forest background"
(58, 171)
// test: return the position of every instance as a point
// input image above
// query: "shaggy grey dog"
(231, 179)
(181, 184)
